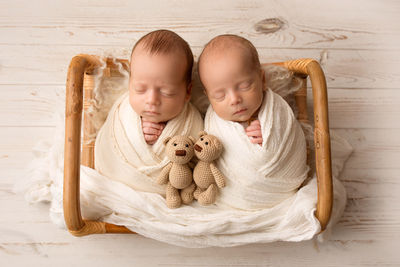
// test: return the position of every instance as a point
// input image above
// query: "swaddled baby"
(129, 146)
(265, 149)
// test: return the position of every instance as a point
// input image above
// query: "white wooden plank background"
(357, 43)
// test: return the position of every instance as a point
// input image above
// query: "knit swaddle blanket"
(260, 203)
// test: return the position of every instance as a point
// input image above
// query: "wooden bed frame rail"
(82, 66)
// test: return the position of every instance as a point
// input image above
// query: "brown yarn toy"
(177, 173)
(205, 174)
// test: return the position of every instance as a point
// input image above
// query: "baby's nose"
(152, 97)
(235, 98)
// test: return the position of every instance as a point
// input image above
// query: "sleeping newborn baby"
(160, 80)
(129, 146)
(265, 149)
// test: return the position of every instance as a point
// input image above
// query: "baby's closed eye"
(140, 90)
(245, 85)
(168, 92)
(219, 95)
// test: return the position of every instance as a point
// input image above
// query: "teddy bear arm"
(218, 176)
(164, 175)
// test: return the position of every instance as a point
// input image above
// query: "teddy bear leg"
(209, 196)
(173, 197)
(187, 194)
(197, 192)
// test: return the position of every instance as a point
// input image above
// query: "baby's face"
(157, 87)
(234, 88)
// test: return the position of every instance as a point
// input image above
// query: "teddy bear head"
(208, 147)
(179, 148)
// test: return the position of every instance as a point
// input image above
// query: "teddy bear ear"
(166, 140)
(192, 139)
(218, 143)
(219, 146)
(202, 133)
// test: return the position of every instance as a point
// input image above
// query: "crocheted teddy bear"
(177, 174)
(205, 174)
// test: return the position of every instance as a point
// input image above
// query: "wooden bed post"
(322, 143)
(72, 146)
(79, 65)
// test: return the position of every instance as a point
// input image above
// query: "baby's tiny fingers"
(158, 126)
(253, 127)
(152, 125)
(254, 134)
(255, 122)
(146, 124)
(150, 137)
(256, 140)
(152, 131)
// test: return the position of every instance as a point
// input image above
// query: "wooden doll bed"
(79, 90)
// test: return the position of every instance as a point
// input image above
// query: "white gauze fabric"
(125, 194)
(261, 202)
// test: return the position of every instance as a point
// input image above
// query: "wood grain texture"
(356, 42)
(366, 69)
(294, 24)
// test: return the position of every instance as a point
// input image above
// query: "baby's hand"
(253, 131)
(151, 131)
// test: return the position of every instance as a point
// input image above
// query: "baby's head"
(160, 75)
(232, 76)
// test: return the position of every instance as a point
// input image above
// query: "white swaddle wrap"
(122, 154)
(261, 176)
(259, 204)
(124, 192)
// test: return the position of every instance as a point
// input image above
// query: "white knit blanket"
(126, 194)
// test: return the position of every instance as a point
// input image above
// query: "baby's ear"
(192, 139)
(263, 80)
(166, 140)
(202, 133)
(188, 91)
